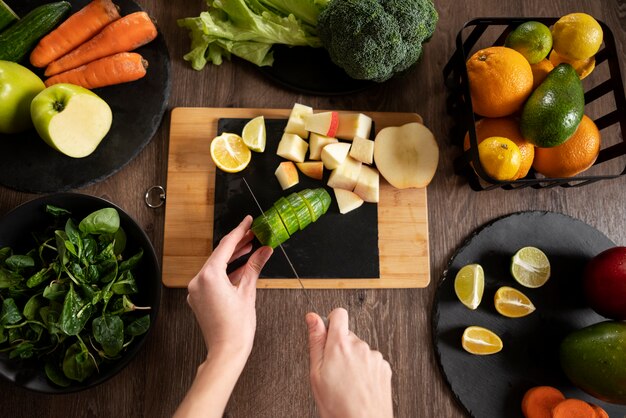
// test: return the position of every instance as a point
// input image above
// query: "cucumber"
(7, 16)
(303, 214)
(18, 40)
(323, 195)
(287, 215)
(313, 202)
(269, 228)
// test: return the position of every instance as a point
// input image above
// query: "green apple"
(71, 119)
(18, 86)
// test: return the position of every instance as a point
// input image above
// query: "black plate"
(28, 164)
(493, 386)
(15, 229)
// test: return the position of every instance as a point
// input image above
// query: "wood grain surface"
(274, 383)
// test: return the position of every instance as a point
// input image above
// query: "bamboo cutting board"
(402, 214)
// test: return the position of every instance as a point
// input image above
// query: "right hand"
(349, 380)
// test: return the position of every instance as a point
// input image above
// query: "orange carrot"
(573, 408)
(77, 29)
(600, 413)
(114, 69)
(539, 401)
(123, 35)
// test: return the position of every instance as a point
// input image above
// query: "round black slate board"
(28, 164)
(493, 386)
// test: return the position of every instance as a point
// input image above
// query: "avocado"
(594, 359)
(554, 110)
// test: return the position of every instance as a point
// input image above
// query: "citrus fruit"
(540, 71)
(531, 39)
(500, 80)
(230, 153)
(582, 67)
(253, 134)
(481, 341)
(512, 303)
(469, 285)
(500, 157)
(507, 127)
(576, 36)
(574, 156)
(530, 267)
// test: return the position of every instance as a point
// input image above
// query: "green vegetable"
(19, 39)
(299, 206)
(375, 39)
(288, 215)
(7, 16)
(66, 302)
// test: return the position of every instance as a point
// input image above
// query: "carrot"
(123, 35)
(77, 29)
(573, 408)
(600, 413)
(539, 401)
(114, 69)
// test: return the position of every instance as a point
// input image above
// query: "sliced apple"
(295, 123)
(324, 123)
(362, 150)
(347, 200)
(346, 175)
(287, 174)
(335, 154)
(368, 184)
(292, 147)
(407, 155)
(352, 125)
(316, 143)
(313, 169)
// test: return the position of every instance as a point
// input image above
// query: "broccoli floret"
(375, 39)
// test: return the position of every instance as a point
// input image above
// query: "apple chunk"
(295, 123)
(347, 200)
(368, 184)
(324, 123)
(287, 174)
(362, 149)
(353, 124)
(313, 169)
(316, 143)
(292, 147)
(346, 175)
(335, 154)
(406, 156)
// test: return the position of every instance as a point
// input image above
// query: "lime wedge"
(469, 285)
(253, 134)
(530, 267)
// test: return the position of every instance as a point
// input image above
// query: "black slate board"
(28, 164)
(493, 386)
(336, 246)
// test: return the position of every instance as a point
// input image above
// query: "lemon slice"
(253, 134)
(530, 267)
(469, 285)
(480, 341)
(230, 153)
(512, 303)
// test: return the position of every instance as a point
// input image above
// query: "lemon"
(577, 36)
(230, 153)
(469, 285)
(481, 341)
(512, 303)
(531, 39)
(500, 157)
(582, 67)
(530, 267)
(253, 134)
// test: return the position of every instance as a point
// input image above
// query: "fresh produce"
(554, 110)
(254, 135)
(287, 175)
(604, 282)
(324, 123)
(7, 15)
(292, 147)
(480, 341)
(114, 69)
(313, 169)
(122, 35)
(512, 303)
(407, 155)
(539, 401)
(67, 302)
(368, 184)
(295, 123)
(77, 29)
(306, 206)
(317, 143)
(345, 175)
(18, 87)
(333, 155)
(540, 71)
(582, 67)
(469, 285)
(353, 125)
(577, 36)
(19, 39)
(500, 157)
(531, 39)
(71, 119)
(530, 267)
(347, 200)
(594, 359)
(570, 408)
(362, 149)
(230, 153)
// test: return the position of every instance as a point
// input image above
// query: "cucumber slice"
(323, 195)
(313, 202)
(303, 214)
(287, 215)
(7, 16)
(269, 229)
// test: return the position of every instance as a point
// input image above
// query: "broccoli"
(375, 39)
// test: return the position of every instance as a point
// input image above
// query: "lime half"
(469, 285)
(253, 134)
(530, 267)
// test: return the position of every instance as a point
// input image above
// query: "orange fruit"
(507, 127)
(500, 80)
(541, 71)
(575, 155)
(582, 67)
(480, 341)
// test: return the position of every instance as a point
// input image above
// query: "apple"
(18, 87)
(292, 147)
(347, 200)
(368, 184)
(345, 176)
(313, 169)
(316, 143)
(287, 174)
(71, 119)
(324, 123)
(295, 123)
(352, 125)
(604, 283)
(335, 154)
(362, 149)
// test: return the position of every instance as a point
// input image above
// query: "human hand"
(224, 305)
(348, 378)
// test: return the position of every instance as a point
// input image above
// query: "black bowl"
(15, 231)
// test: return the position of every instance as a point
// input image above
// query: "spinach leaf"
(10, 314)
(73, 235)
(31, 309)
(120, 241)
(125, 285)
(39, 277)
(61, 238)
(8, 279)
(90, 249)
(3, 336)
(139, 326)
(77, 363)
(23, 350)
(55, 291)
(5, 252)
(55, 375)
(131, 262)
(92, 275)
(107, 270)
(56, 211)
(108, 330)
(103, 221)
(19, 262)
(76, 312)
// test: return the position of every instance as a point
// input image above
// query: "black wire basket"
(603, 89)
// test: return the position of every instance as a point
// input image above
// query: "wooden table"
(396, 322)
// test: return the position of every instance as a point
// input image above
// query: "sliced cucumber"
(288, 215)
(323, 195)
(269, 229)
(303, 214)
(7, 16)
(313, 202)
